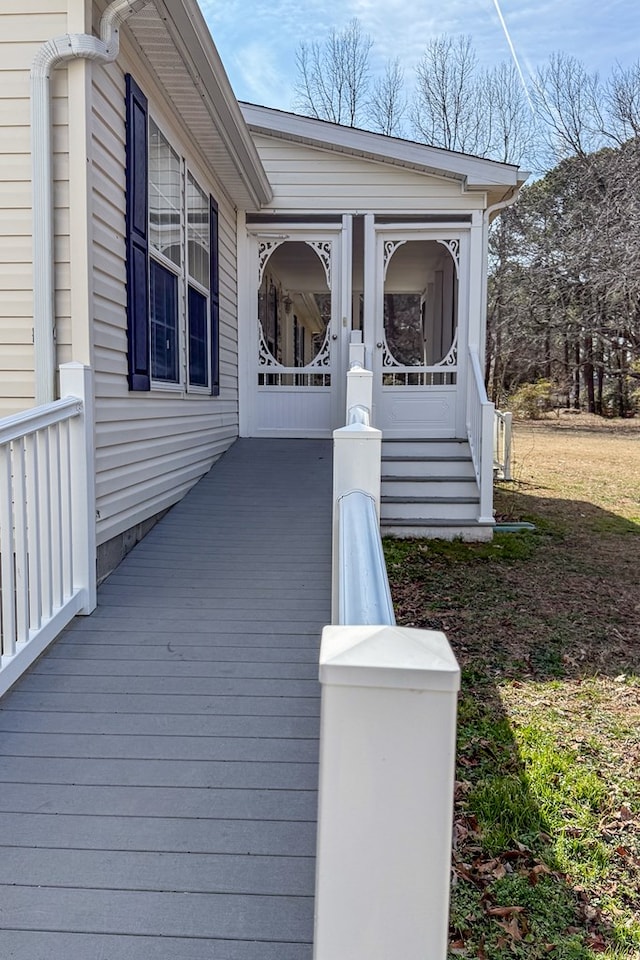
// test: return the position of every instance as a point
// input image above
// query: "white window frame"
(183, 384)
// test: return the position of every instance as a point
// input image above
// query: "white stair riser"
(429, 511)
(427, 468)
(424, 487)
(440, 448)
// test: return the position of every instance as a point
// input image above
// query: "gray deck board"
(158, 766)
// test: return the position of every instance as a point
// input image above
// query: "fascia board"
(190, 33)
(476, 172)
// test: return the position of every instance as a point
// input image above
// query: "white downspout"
(71, 46)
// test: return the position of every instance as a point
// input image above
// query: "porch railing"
(502, 426)
(47, 522)
(387, 742)
(480, 418)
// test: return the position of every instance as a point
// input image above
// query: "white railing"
(364, 596)
(502, 427)
(387, 740)
(47, 522)
(480, 417)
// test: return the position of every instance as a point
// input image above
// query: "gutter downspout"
(71, 46)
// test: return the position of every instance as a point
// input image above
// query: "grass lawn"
(546, 627)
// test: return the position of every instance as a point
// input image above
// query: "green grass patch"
(545, 626)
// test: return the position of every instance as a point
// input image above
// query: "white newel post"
(356, 466)
(385, 794)
(359, 388)
(76, 381)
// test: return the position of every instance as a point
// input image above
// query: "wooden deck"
(158, 766)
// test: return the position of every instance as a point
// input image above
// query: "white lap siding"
(21, 36)
(321, 181)
(150, 447)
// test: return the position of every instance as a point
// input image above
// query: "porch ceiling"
(175, 41)
(498, 180)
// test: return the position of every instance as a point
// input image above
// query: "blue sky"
(257, 39)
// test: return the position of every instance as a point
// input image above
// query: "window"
(172, 262)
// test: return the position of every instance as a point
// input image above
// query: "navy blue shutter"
(137, 225)
(215, 298)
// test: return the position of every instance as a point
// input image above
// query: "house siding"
(316, 180)
(21, 35)
(150, 447)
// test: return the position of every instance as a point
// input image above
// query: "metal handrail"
(359, 414)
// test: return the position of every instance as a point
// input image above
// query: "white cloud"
(257, 39)
(261, 75)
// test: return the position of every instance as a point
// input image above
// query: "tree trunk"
(600, 380)
(588, 374)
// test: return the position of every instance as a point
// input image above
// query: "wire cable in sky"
(514, 55)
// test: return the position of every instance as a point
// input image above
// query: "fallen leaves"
(504, 911)
(546, 638)
(512, 929)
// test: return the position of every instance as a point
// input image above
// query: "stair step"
(430, 484)
(407, 478)
(394, 499)
(459, 458)
(424, 440)
(440, 448)
(429, 487)
(434, 467)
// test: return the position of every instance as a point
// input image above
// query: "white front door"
(419, 307)
(300, 333)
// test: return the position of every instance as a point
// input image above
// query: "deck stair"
(429, 489)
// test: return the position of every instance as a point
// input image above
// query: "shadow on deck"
(159, 764)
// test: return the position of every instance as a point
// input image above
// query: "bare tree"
(334, 76)
(568, 100)
(446, 108)
(388, 103)
(507, 116)
(622, 96)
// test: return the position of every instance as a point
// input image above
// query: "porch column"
(369, 311)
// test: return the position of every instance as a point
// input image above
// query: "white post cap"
(384, 656)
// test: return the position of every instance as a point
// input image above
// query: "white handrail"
(364, 596)
(480, 417)
(38, 418)
(387, 736)
(47, 522)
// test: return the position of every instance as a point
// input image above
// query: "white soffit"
(499, 180)
(176, 42)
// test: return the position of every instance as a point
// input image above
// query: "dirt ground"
(546, 627)
(581, 456)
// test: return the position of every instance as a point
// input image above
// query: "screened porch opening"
(420, 307)
(294, 314)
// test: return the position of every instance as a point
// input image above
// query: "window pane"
(198, 339)
(198, 232)
(165, 188)
(163, 297)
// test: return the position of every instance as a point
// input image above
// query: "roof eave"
(476, 173)
(190, 33)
